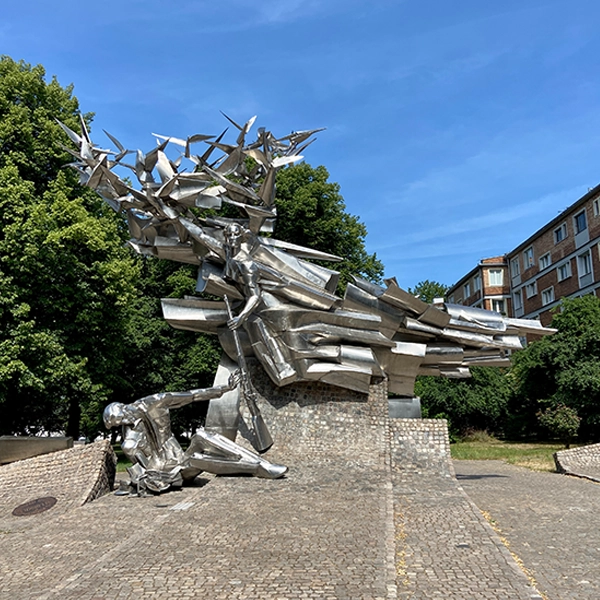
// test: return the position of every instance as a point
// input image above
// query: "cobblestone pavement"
(551, 522)
(335, 528)
(323, 532)
(450, 551)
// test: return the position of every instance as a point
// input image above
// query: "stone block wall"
(316, 418)
(74, 477)
(421, 446)
(311, 418)
(581, 462)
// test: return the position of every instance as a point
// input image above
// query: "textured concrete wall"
(74, 477)
(581, 462)
(14, 448)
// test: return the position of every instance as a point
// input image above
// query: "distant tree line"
(551, 390)
(80, 317)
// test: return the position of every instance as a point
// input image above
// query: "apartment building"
(562, 259)
(486, 286)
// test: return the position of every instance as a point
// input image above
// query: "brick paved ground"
(550, 521)
(339, 526)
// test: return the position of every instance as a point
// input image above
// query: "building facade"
(486, 286)
(562, 259)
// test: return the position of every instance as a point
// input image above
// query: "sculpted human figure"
(241, 267)
(159, 461)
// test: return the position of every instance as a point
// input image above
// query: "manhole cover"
(34, 507)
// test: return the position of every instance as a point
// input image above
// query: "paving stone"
(548, 519)
(352, 519)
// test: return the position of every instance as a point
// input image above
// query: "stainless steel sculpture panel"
(284, 309)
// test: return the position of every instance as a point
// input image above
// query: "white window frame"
(517, 304)
(584, 260)
(596, 207)
(560, 233)
(477, 283)
(548, 296)
(515, 267)
(545, 261)
(576, 222)
(528, 260)
(495, 301)
(531, 289)
(499, 272)
(467, 290)
(560, 275)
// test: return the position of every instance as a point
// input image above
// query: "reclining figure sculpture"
(288, 314)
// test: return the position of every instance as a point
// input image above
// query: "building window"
(518, 300)
(564, 271)
(515, 268)
(584, 268)
(596, 205)
(560, 233)
(496, 276)
(547, 296)
(498, 305)
(531, 289)
(477, 283)
(545, 261)
(580, 222)
(451, 299)
(467, 290)
(528, 257)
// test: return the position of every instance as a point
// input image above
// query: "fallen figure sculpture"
(159, 462)
(284, 308)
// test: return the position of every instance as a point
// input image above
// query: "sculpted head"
(234, 234)
(116, 414)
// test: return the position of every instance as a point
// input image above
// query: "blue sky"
(454, 128)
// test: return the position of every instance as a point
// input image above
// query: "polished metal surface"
(159, 462)
(287, 312)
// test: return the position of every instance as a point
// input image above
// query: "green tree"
(428, 290)
(311, 212)
(560, 422)
(564, 368)
(479, 403)
(67, 283)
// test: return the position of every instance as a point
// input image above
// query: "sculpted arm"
(178, 399)
(249, 274)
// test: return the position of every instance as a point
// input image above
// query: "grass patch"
(535, 456)
(122, 461)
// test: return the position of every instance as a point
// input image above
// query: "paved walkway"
(335, 528)
(551, 522)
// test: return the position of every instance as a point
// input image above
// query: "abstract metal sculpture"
(289, 316)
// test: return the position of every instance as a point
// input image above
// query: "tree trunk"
(74, 419)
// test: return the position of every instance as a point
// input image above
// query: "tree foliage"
(66, 281)
(478, 403)
(311, 212)
(428, 290)
(564, 368)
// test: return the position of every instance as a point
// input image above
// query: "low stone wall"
(14, 448)
(74, 477)
(421, 446)
(316, 418)
(580, 462)
(311, 418)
